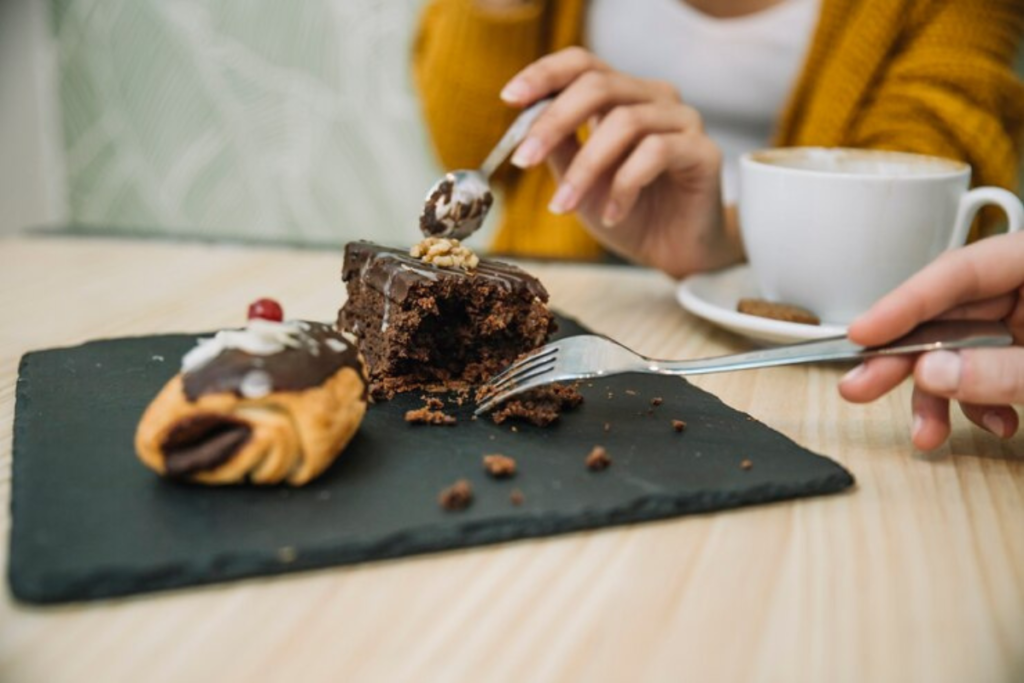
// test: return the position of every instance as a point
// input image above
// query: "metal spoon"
(457, 204)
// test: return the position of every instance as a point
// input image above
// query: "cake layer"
(421, 326)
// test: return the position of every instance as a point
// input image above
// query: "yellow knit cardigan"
(928, 76)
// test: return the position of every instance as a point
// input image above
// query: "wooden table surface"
(917, 574)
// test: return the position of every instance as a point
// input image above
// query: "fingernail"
(563, 200)
(940, 371)
(515, 91)
(527, 154)
(853, 374)
(915, 429)
(994, 424)
(612, 214)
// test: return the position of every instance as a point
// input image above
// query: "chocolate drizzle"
(202, 442)
(393, 273)
(321, 352)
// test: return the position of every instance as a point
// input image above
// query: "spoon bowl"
(457, 204)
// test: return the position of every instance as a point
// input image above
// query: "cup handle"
(971, 201)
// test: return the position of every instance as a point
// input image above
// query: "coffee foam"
(859, 162)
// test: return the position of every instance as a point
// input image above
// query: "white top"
(736, 72)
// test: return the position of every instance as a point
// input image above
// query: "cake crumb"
(746, 464)
(515, 429)
(516, 497)
(500, 466)
(607, 426)
(539, 407)
(430, 414)
(458, 496)
(630, 392)
(678, 425)
(598, 459)
(657, 401)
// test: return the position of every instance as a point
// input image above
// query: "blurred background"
(261, 119)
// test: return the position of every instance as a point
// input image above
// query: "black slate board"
(89, 521)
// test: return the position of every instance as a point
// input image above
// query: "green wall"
(262, 118)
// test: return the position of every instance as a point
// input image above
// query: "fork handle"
(513, 136)
(931, 336)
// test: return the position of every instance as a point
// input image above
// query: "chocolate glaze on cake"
(393, 273)
(421, 326)
(318, 352)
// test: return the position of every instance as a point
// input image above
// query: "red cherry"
(267, 309)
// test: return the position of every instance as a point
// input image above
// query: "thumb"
(982, 376)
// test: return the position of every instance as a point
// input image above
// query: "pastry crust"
(294, 437)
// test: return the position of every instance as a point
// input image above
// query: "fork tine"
(497, 399)
(524, 376)
(520, 370)
(514, 367)
(530, 381)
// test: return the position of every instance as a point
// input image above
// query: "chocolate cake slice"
(422, 326)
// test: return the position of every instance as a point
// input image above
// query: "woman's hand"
(982, 281)
(647, 180)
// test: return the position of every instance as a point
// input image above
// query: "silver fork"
(592, 355)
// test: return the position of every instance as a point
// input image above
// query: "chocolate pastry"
(444, 320)
(274, 402)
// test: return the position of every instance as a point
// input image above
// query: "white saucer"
(713, 296)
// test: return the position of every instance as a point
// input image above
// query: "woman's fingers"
(1002, 421)
(1015, 320)
(994, 308)
(657, 154)
(550, 74)
(875, 377)
(561, 157)
(931, 420)
(593, 92)
(609, 143)
(982, 376)
(981, 271)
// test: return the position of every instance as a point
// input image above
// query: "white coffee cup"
(833, 230)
